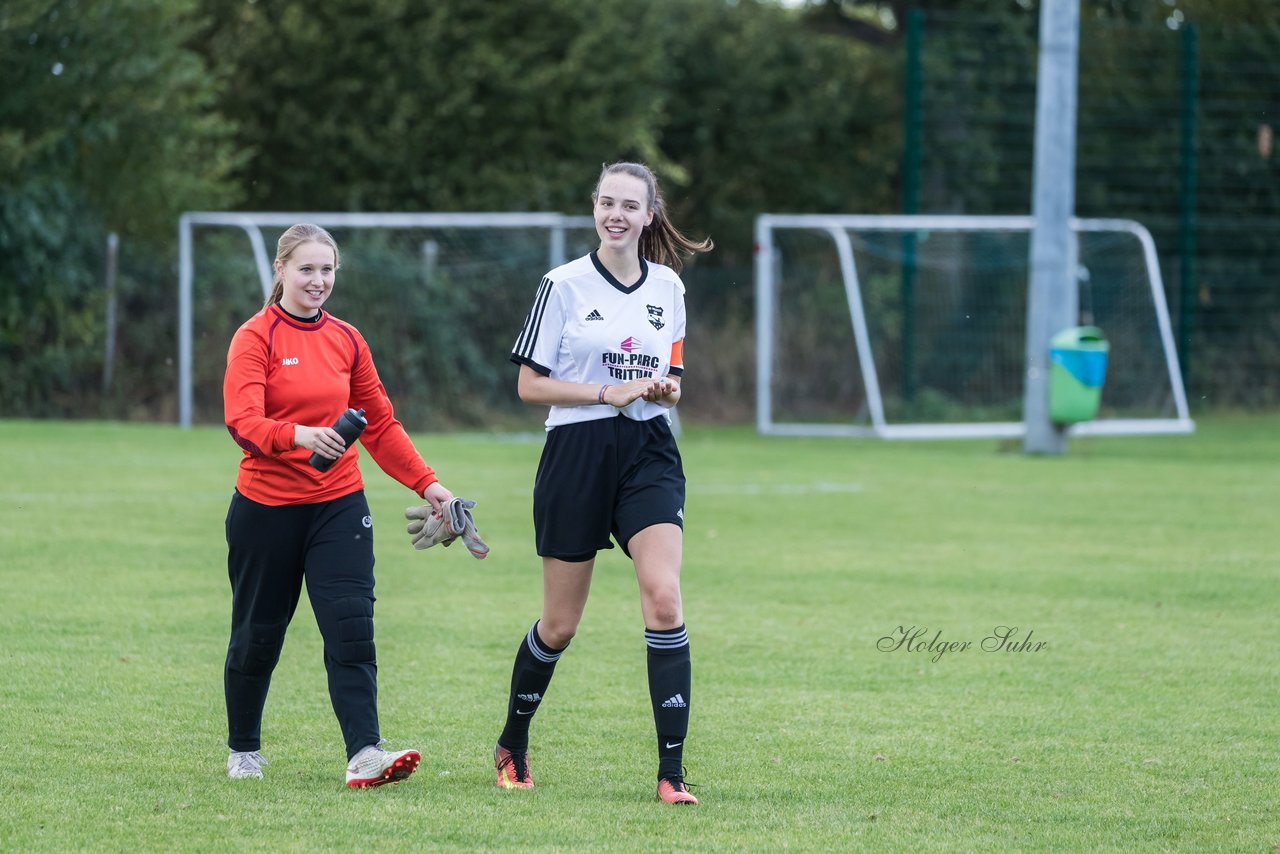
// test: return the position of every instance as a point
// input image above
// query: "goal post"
(914, 326)
(498, 273)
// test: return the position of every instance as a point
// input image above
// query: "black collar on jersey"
(608, 277)
(319, 314)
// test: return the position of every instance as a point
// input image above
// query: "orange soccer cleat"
(672, 790)
(512, 768)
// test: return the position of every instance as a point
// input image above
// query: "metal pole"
(764, 324)
(1053, 301)
(911, 122)
(109, 357)
(1187, 200)
(185, 321)
(430, 261)
(557, 246)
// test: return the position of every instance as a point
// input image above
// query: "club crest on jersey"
(655, 316)
(630, 345)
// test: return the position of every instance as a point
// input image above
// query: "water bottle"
(349, 425)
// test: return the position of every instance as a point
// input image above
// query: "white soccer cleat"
(374, 766)
(245, 765)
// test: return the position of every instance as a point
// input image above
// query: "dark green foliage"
(109, 97)
(979, 108)
(458, 106)
(49, 312)
(396, 106)
(107, 123)
(771, 117)
(117, 116)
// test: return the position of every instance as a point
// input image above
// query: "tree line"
(118, 115)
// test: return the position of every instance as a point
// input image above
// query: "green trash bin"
(1078, 365)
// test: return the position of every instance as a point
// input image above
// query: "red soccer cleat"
(512, 768)
(374, 766)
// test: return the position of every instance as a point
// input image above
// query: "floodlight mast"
(1053, 296)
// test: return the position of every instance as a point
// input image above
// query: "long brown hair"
(295, 236)
(660, 241)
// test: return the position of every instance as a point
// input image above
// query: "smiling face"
(308, 275)
(622, 210)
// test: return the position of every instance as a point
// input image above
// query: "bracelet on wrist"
(603, 389)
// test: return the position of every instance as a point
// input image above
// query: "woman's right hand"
(324, 441)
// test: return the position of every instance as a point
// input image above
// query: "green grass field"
(1149, 718)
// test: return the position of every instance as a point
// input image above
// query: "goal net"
(904, 327)
(439, 297)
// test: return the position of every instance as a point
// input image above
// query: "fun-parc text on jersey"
(629, 365)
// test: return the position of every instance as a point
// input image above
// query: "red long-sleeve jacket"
(283, 372)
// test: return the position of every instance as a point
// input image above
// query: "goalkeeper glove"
(427, 528)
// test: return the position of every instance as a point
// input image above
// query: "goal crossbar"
(252, 224)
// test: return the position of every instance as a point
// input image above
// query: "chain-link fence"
(1174, 130)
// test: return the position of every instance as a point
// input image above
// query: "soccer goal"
(914, 326)
(440, 297)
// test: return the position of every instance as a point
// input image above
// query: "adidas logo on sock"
(676, 702)
(530, 698)
(595, 315)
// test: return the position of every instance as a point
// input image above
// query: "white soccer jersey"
(585, 327)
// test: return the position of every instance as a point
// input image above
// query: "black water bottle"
(349, 425)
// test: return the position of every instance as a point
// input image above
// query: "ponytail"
(660, 242)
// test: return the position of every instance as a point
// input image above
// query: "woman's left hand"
(665, 392)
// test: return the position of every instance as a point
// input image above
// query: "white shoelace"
(249, 763)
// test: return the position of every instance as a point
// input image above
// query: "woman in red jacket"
(292, 369)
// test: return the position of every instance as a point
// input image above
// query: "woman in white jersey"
(603, 347)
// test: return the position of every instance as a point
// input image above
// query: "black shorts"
(609, 476)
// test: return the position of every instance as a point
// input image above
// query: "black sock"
(669, 681)
(535, 662)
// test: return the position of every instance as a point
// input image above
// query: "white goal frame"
(253, 223)
(838, 227)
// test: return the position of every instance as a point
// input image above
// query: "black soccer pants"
(271, 550)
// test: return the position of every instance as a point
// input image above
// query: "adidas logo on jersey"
(676, 702)
(595, 315)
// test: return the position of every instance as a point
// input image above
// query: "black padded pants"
(271, 550)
